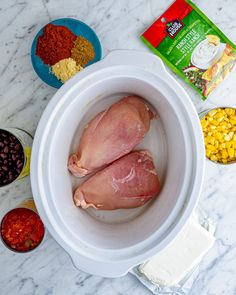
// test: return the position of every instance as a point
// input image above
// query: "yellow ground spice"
(65, 69)
(83, 51)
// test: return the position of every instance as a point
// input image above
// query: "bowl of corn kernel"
(219, 130)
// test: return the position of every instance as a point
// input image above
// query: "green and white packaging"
(192, 46)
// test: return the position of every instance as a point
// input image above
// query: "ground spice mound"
(83, 51)
(55, 44)
(65, 69)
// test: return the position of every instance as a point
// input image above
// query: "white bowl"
(110, 243)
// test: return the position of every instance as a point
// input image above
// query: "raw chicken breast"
(127, 183)
(112, 134)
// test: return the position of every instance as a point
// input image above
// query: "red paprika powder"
(55, 44)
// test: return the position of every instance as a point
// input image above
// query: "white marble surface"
(23, 98)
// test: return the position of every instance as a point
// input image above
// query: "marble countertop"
(23, 97)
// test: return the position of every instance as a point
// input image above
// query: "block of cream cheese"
(172, 264)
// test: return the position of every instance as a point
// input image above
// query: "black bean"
(3, 156)
(6, 141)
(17, 147)
(6, 149)
(1, 144)
(4, 168)
(13, 157)
(18, 171)
(20, 165)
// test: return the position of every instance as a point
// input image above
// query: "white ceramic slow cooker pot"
(110, 243)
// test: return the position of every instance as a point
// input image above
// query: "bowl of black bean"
(15, 150)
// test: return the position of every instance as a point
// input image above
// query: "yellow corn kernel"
(212, 127)
(212, 113)
(209, 133)
(221, 128)
(224, 161)
(224, 154)
(214, 158)
(234, 145)
(208, 153)
(233, 117)
(229, 111)
(221, 140)
(228, 144)
(231, 134)
(212, 141)
(220, 119)
(219, 114)
(218, 136)
(216, 144)
(230, 152)
(229, 125)
(234, 137)
(210, 147)
(228, 137)
(224, 123)
(233, 122)
(223, 145)
(204, 123)
(215, 122)
(218, 155)
(210, 119)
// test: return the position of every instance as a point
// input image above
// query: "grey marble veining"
(23, 97)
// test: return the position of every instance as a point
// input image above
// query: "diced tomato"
(22, 229)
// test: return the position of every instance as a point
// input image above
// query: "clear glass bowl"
(26, 140)
(202, 115)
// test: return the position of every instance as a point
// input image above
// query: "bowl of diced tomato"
(22, 230)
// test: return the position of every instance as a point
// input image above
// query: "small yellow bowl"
(219, 130)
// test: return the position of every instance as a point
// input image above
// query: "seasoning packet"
(185, 285)
(192, 46)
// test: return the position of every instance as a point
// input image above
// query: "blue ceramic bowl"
(79, 29)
